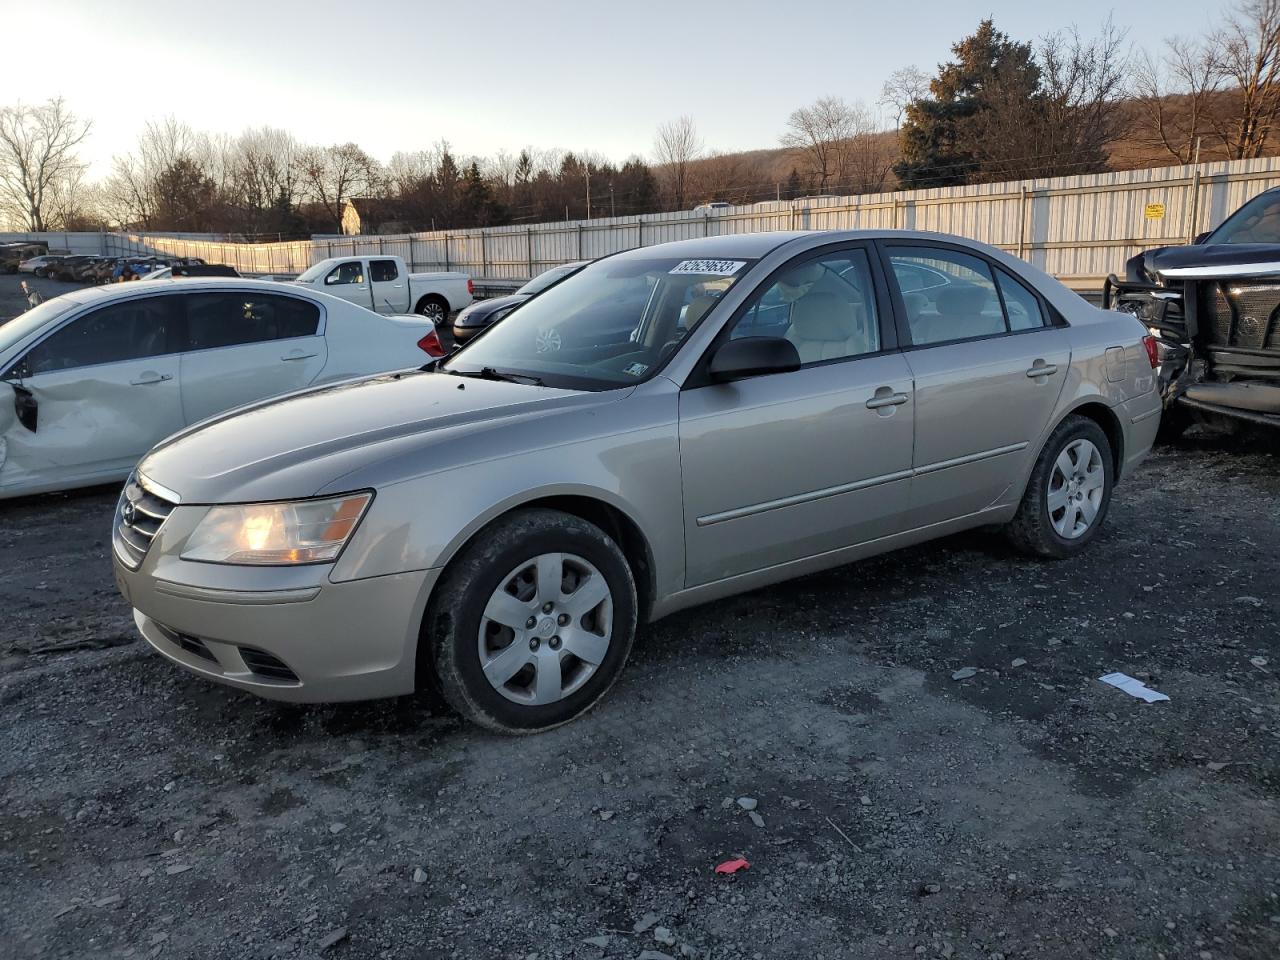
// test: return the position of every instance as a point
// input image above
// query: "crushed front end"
(1215, 311)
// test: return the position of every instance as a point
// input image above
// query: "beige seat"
(826, 327)
(963, 310)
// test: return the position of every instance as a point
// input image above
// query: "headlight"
(301, 531)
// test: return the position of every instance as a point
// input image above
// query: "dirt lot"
(1028, 811)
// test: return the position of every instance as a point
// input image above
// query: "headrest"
(961, 299)
(822, 316)
(696, 310)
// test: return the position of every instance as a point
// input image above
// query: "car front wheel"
(1069, 492)
(532, 623)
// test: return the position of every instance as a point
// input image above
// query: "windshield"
(25, 324)
(614, 323)
(1258, 221)
(311, 274)
(544, 280)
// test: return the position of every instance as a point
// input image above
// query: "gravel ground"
(1026, 811)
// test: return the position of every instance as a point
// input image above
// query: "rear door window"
(1020, 305)
(383, 271)
(229, 319)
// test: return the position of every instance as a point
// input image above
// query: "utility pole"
(778, 189)
(588, 173)
(613, 210)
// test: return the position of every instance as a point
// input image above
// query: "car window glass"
(826, 308)
(130, 330)
(227, 319)
(1020, 304)
(962, 302)
(382, 271)
(352, 272)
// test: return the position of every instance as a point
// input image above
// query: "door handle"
(1043, 370)
(891, 400)
(148, 378)
(297, 356)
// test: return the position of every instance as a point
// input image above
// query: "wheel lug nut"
(531, 623)
(562, 619)
(534, 643)
(554, 643)
(547, 607)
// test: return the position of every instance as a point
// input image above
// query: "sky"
(503, 74)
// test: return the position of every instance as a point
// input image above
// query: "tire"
(434, 308)
(1044, 525)
(39, 272)
(498, 573)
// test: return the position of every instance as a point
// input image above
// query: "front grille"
(140, 514)
(265, 665)
(1244, 314)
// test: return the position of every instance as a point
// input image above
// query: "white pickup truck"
(384, 284)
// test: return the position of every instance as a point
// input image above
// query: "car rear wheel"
(532, 623)
(434, 309)
(1068, 494)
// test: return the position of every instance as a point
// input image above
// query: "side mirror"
(1201, 237)
(753, 357)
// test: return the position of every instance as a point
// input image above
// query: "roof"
(749, 245)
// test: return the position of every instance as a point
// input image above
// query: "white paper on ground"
(1133, 686)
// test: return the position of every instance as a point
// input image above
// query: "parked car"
(295, 549)
(385, 284)
(91, 380)
(65, 268)
(1214, 306)
(482, 313)
(715, 206)
(38, 265)
(13, 253)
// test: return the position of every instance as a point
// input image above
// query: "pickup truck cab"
(384, 284)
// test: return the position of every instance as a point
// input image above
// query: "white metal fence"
(1076, 228)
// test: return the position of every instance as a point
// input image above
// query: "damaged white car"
(92, 380)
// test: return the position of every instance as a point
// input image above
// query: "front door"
(94, 396)
(791, 465)
(246, 346)
(988, 366)
(349, 281)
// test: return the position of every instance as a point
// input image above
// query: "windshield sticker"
(712, 268)
(637, 369)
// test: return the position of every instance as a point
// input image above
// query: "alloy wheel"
(546, 629)
(1077, 484)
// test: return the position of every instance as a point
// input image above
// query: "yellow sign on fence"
(1154, 211)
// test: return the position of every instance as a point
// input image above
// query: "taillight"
(431, 345)
(1153, 350)
(471, 287)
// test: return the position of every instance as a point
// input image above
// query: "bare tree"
(819, 136)
(37, 152)
(676, 145)
(1246, 54)
(904, 87)
(333, 175)
(1174, 94)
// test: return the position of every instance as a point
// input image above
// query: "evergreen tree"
(936, 137)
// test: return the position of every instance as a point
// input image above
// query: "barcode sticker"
(710, 268)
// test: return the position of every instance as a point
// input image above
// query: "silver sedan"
(499, 523)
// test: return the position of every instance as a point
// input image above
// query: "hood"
(298, 445)
(479, 312)
(1206, 261)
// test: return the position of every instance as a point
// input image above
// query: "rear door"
(350, 281)
(390, 286)
(94, 395)
(989, 364)
(242, 346)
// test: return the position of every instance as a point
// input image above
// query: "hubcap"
(546, 629)
(548, 341)
(1076, 485)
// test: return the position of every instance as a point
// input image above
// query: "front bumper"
(282, 633)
